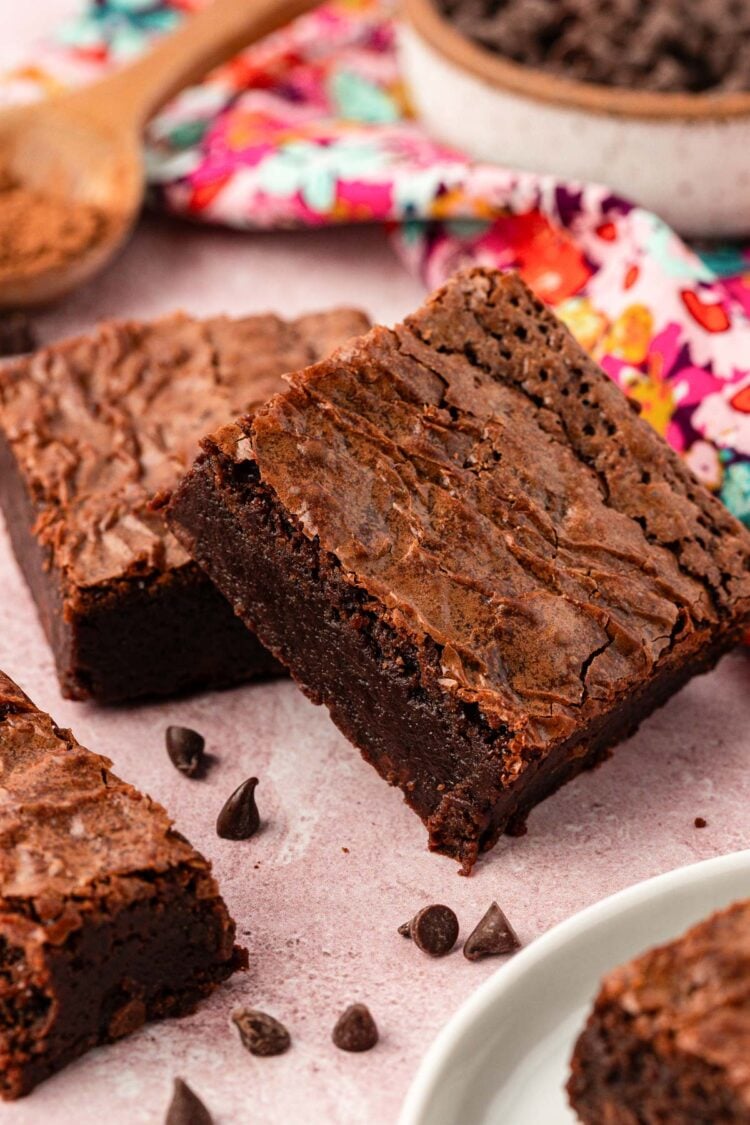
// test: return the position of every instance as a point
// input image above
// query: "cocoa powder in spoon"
(40, 231)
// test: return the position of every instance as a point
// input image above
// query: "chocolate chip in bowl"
(673, 46)
(641, 97)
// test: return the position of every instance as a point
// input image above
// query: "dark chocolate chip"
(405, 929)
(492, 936)
(355, 1029)
(16, 334)
(700, 822)
(185, 748)
(434, 930)
(260, 1033)
(186, 1108)
(689, 45)
(240, 819)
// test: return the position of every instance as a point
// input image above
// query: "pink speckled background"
(320, 923)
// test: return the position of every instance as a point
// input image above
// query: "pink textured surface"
(321, 923)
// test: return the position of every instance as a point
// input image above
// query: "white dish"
(504, 1056)
(684, 156)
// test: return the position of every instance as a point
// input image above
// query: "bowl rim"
(530, 82)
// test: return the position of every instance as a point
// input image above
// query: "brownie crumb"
(186, 1108)
(700, 822)
(434, 930)
(239, 819)
(492, 936)
(355, 1029)
(186, 750)
(16, 334)
(260, 1033)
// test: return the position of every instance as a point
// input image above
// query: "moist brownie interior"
(90, 431)
(460, 537)
(668, 1039)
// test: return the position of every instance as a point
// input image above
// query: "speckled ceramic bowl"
(684, 156)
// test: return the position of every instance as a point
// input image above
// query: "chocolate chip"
(700, 822)
(355, 1029)
(405, 929)
(186, 1108)
(492, 936)
(16, 334)
(240, 819)
(260, 1033)
(185, 748)
(433, 929)
(689, 45)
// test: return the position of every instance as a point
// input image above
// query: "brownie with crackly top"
(460, 536)
(90, 431)
(108, 917)
(668, 1039)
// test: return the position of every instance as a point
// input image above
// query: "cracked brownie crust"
(669, 1036)
(108, 917)
(500, 568)
(90, 431)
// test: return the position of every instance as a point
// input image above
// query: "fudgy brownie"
(668, 1039)
(90, 430)
(460, 536)
(108, 917)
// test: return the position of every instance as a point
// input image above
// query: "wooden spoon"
(84, 147)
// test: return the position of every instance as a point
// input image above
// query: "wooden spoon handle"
(208, 38)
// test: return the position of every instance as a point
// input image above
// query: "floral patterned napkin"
(312, 127)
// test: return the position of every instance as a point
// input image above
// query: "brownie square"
(668, 1039)
(90, 430)
(108, 917)
(460, 536)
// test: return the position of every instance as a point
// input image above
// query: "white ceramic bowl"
(503, 1059)
(684, 156)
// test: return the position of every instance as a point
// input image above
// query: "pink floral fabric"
(312, 126)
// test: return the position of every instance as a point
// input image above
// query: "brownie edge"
(91, 431)
(460, 538)
(668, 1039)
(108, 916)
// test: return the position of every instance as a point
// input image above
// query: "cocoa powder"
(39, 231)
